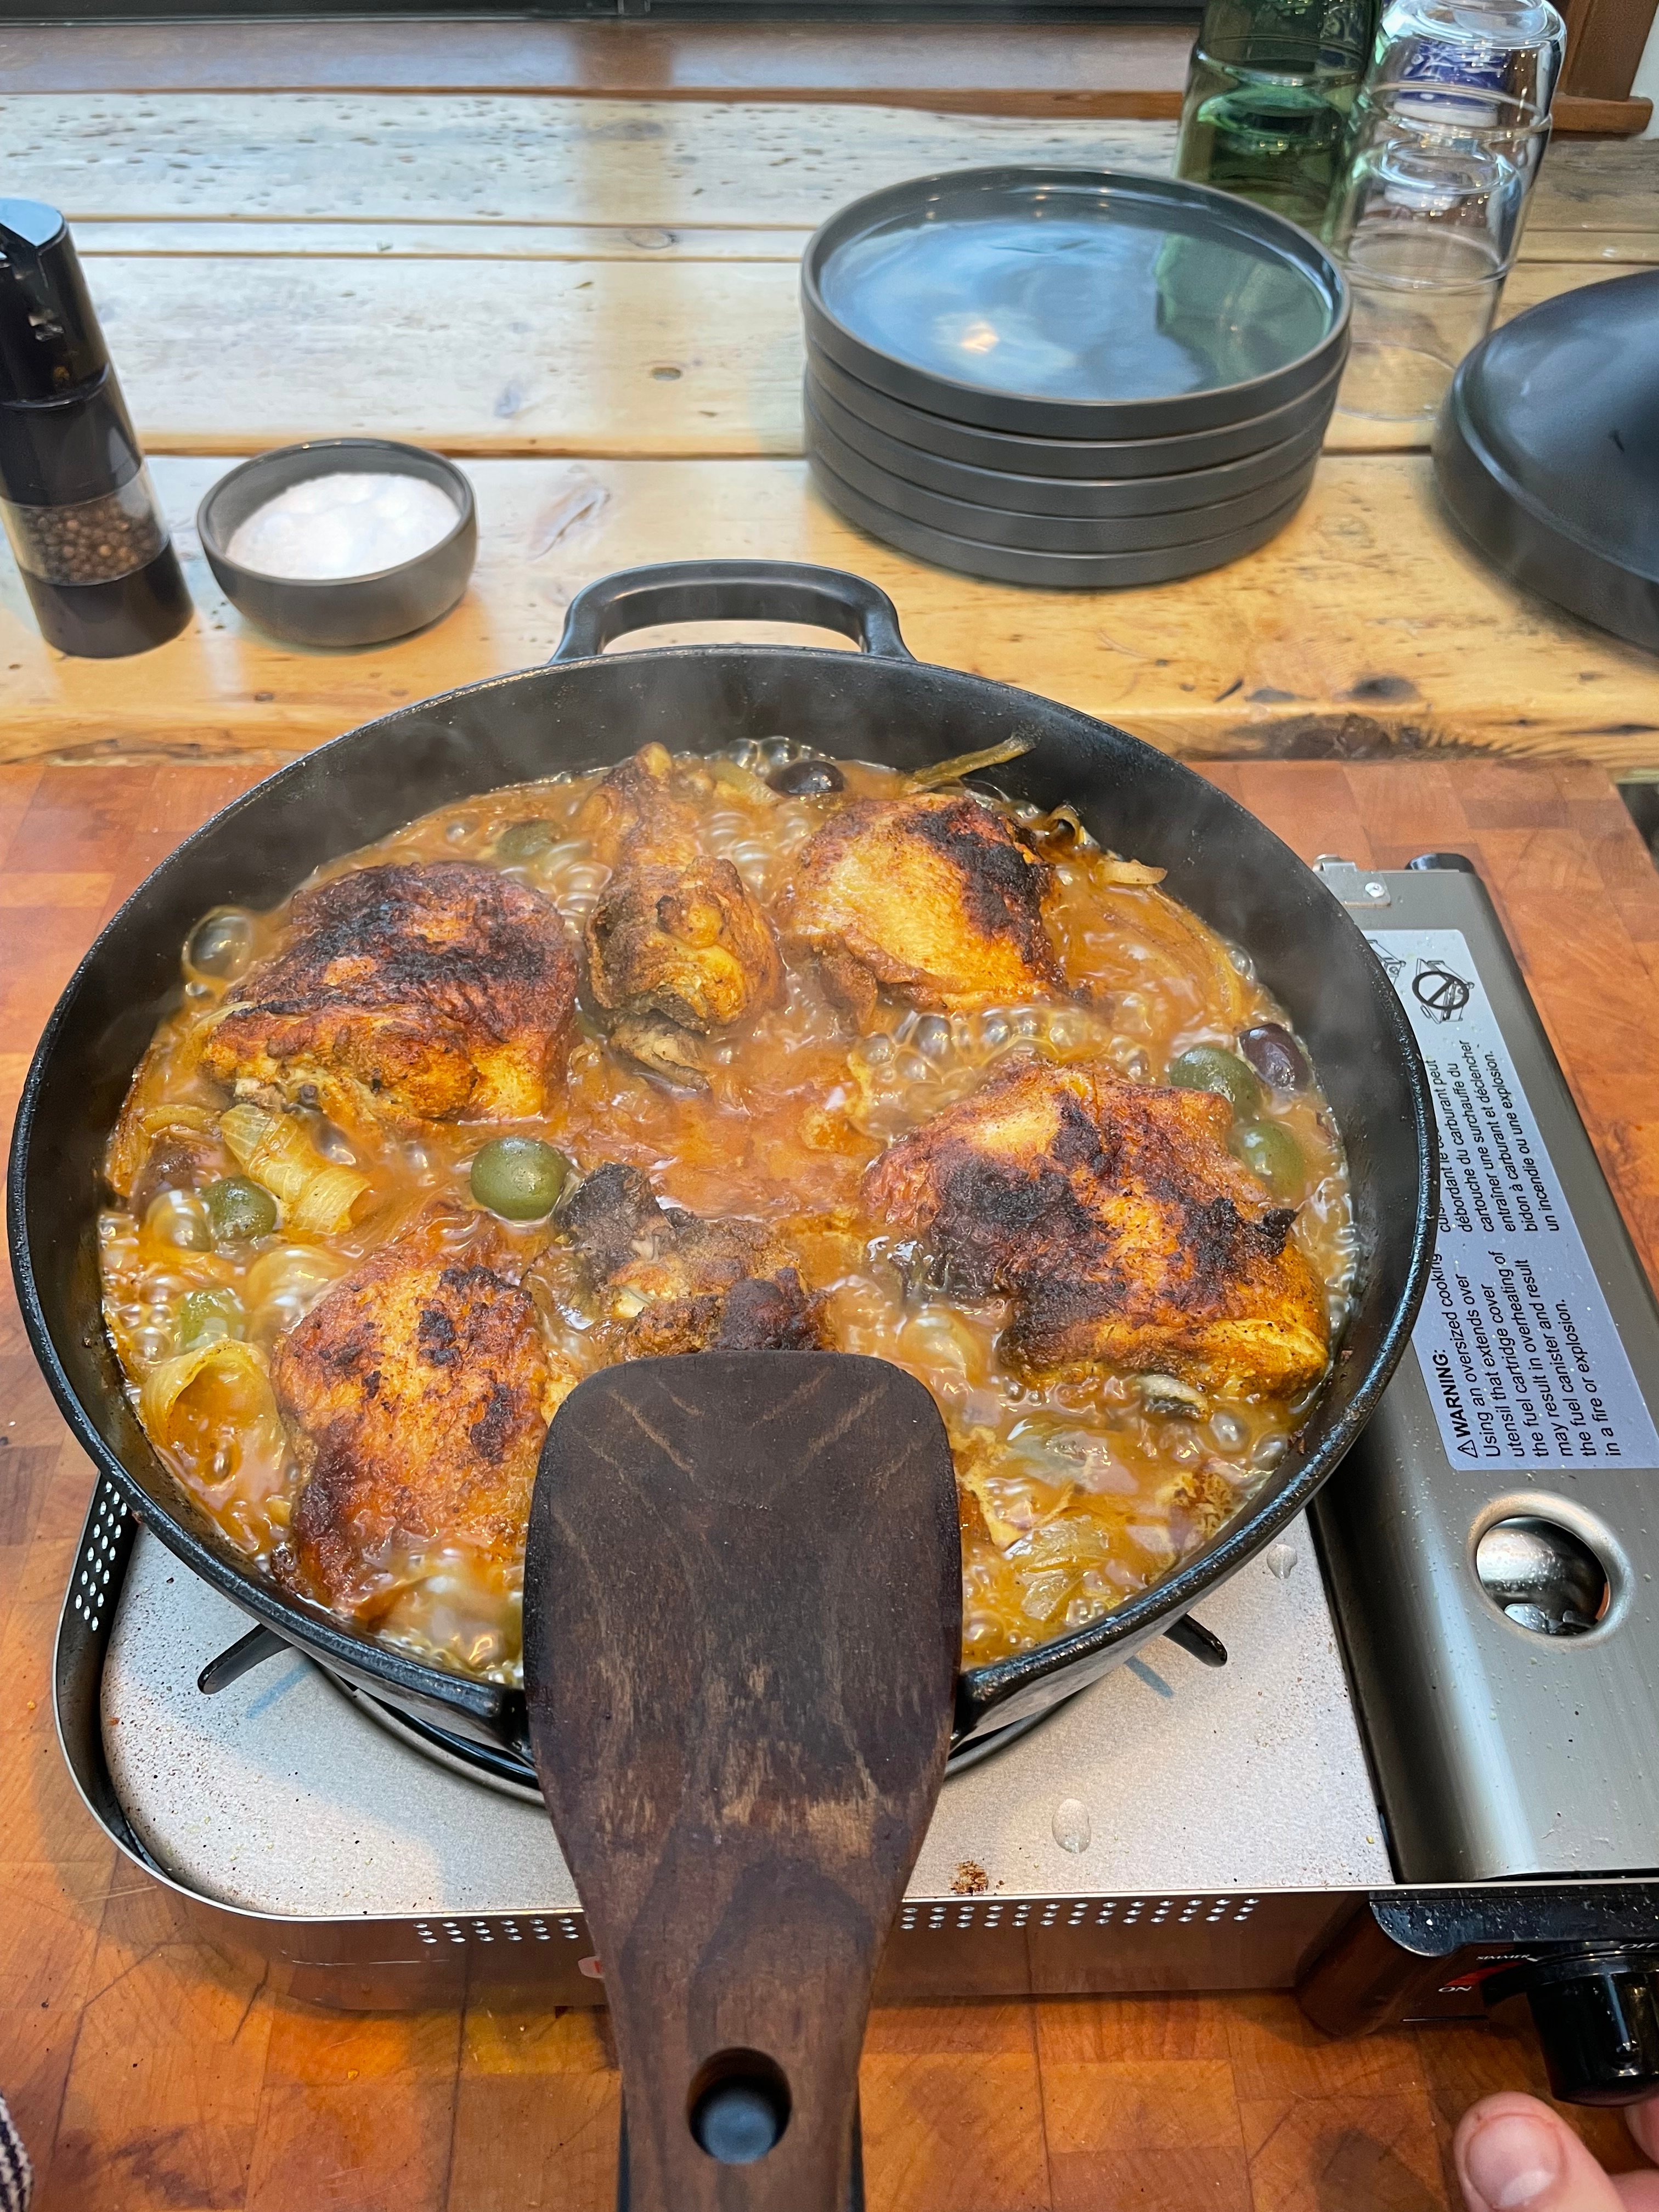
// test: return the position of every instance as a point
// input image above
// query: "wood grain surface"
(150, 2074)
(628, 351)
(476, 271)
(1109, 69)
(355, 157)
(1365, 628)
(550, 332)
(276, 266)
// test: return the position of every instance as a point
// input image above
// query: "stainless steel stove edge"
(1498, 1752)
(959, 1935)
(1359, 1954)
(1361, 1951)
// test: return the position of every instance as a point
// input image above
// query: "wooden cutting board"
(151, 2075)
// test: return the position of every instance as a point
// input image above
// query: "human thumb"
(1514, 2154)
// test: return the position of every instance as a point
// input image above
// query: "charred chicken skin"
(677, 945)
(677, 1283)
(1113, 1218)
(929, 896)
(428, 991)
(417, 1393)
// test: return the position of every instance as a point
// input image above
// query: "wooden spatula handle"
(742, 1605)
(853, 2202)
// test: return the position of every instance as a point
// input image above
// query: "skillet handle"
(746, 590)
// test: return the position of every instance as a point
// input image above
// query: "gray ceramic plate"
(1004, 564)
(1078, 499)
(1073, 303)
(1070, 459)
(1050, 533)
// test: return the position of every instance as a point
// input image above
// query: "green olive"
(522, 840)
(239, 1210)
(206, 1315)
(1268, 1149)
(1207, 1067)
(519, 1177)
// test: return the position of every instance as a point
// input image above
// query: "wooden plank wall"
(1364, 630)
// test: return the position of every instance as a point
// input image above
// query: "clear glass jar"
(1513, 49)
(1447, 133)
(1426, 224)
(1269, 92)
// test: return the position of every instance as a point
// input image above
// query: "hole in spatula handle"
(738, 2107)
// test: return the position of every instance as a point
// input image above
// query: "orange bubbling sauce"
(1077, 1493)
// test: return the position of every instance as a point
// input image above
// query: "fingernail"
(1513, 2161)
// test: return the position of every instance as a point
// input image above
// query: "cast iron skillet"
(587, 709)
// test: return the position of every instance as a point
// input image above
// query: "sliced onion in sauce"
(225, 1357)
(324, 1207)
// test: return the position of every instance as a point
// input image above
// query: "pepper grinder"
(76, 500)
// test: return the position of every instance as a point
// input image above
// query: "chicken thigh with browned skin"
(929, 896)
(677, 945)
(1113, 1218)
(678, 1282)
(432, 991)
(417, 1393)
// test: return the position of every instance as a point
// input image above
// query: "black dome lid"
(1547, 453)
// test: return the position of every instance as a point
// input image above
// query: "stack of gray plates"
(1066, 376)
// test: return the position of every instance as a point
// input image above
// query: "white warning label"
(1524, 1364)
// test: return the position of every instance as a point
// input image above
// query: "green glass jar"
(1268, 93)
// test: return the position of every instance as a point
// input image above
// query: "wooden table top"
(150, 2074)
(478, 272)
(602, 293)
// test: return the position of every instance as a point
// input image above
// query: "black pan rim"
(981, 1690)
(1034, 413)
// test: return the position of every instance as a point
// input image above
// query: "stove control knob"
(1597, 2018)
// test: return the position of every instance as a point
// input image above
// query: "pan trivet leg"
(743, 1619)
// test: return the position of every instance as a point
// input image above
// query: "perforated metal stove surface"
(281, 1796)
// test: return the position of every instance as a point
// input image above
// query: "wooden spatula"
(743, 1613)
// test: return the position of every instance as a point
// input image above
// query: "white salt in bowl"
(332, 610)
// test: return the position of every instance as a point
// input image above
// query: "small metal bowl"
(339, 610)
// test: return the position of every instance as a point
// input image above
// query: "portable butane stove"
(1420, 1785)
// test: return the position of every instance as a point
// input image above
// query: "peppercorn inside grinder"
(75, 498)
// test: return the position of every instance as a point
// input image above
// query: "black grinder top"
(50, 342)
(65, 434)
